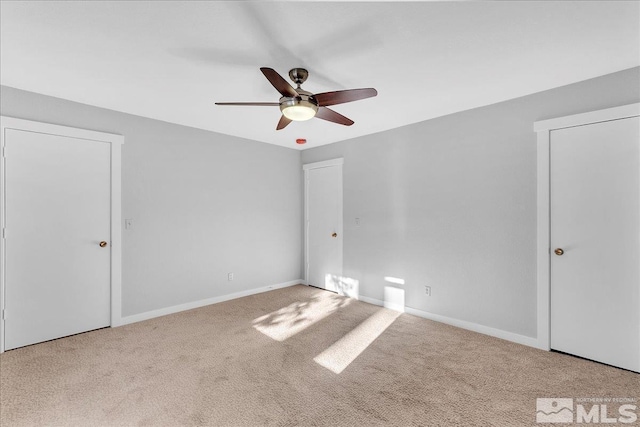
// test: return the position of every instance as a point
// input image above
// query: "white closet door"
(324, 222)
(57, 199)
(595, 228)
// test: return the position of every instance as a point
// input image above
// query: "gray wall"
(451, 203)
(203, 204)
(448, 202)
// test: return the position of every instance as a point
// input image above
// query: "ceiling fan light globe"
(298, 109)
(298, 113)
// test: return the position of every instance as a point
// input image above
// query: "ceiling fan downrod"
(298, 75)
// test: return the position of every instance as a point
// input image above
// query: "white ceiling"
(172, 60)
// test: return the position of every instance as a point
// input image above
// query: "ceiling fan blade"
(283, 123)
(341, 96)
(278, 82)
(250, 104)
(325, 113)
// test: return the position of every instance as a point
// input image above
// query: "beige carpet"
(271, 359)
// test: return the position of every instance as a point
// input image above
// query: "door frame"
(115, 142)
(307, 167)
(543, 130)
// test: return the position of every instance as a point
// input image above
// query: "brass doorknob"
(334, 235)
(558, 251)
(103, 244)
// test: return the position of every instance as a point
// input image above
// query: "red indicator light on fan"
(301, 141)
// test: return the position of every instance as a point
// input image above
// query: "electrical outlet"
(427, 290)
(357, 222)
(230, 276)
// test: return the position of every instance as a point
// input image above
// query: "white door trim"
(115, 141)
(324, 164)
(307, 167)
(543, 129)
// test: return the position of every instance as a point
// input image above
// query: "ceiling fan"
(299, 105)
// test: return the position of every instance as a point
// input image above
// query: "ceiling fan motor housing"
(298, 75)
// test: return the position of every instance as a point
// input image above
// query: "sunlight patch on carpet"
(294, 318)
(344, 351)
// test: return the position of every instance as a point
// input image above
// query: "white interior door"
(595, 221)
(57, 211)
(324, 226)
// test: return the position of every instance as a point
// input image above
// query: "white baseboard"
(391, 306)
(201, 303)
(370, 300)
(475, 327)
